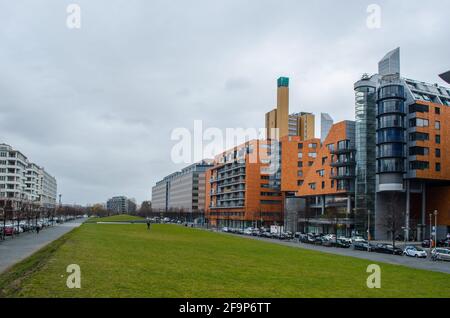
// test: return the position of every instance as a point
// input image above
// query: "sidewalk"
(14, 250)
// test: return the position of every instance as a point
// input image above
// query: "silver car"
(414, 251)
(440, 254)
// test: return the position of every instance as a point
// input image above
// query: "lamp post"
(435, 227)
(431, 230)
(368, 230)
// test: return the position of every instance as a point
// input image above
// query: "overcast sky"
(96, 106)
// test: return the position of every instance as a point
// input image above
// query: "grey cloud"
(96, 106)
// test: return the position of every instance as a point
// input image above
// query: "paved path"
(14, 250)
(425, 264)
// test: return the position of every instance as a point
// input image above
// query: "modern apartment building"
(325, 125)
(386, 173)
(238, 189)
(121, 205)
(183, 191)
(22, 181)
(317, 180)
(403, 139)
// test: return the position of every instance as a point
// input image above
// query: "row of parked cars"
(263, 232)
(9, 228)
(441, 243)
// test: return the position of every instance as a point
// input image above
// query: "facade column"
(323, 204)
(407, 211)
(424, 207)
(349, 204)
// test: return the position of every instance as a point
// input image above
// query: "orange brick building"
(238, 189)
(321, 177)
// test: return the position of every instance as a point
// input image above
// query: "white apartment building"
(183, 190)
(24, 181)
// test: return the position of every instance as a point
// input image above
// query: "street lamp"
(435, 227)
(431, 230)
(368, 230)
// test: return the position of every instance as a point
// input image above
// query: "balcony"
(343, 163)
(341, 151)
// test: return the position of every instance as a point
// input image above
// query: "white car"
(355, 239)
(414, 251)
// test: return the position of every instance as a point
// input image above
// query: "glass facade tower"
(365, 107)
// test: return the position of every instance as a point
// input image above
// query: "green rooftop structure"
(283, 82)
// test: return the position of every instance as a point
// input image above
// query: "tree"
(393, 219)
(333, 215)
(145, 209)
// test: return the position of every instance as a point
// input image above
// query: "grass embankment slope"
(116, 218)
(174, 261)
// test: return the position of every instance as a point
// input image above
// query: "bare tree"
(393, 219)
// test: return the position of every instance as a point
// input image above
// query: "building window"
(330, 147)
(418, 136)
(313, 146)
(300, 183)
(343, 144)
(321, 172)
(312, 186)
(300, 164)
(312, 155)
(300, 146)
(310, 163)
(438, 153)
(417, 108)
(437, 110)
(332, 183)
(300, 173)
(418, 122)
(419, 165)
(300, 155)
(419, 151)
(437, 125)
(324, 159)
(323, 184)
(438, 166)
(438, 139)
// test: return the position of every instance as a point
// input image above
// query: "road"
(14, 250)
(425, 264)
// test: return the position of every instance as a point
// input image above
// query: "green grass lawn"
(116, 218)
(174, 261)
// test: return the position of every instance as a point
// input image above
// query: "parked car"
(444, 243)
(225, 229)
(388, 249)
(426, 243)
(357, 239)
(363, 246)
(8, 230)
(414, 251)
(440, 254)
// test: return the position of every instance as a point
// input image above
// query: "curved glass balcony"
(391, 91)
(391, 165)
(389, 106)
(388, 121)
(390, 150)
(390, 135)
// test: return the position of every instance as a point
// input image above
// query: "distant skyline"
(96, 106)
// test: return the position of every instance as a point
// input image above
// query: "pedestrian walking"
(38, 228)
(148, 225)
